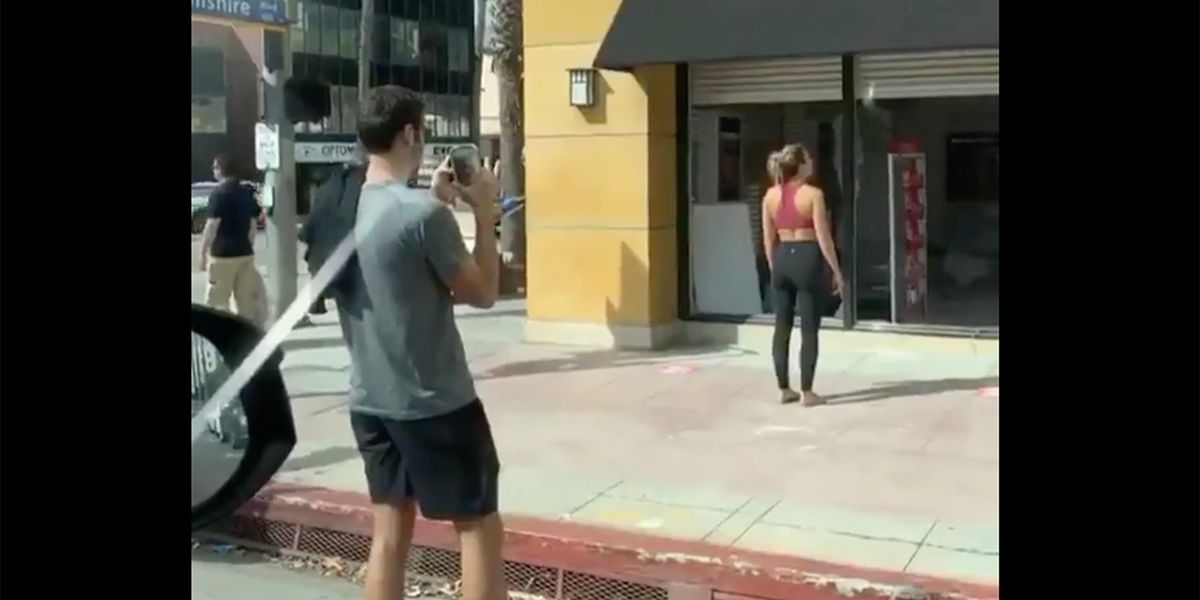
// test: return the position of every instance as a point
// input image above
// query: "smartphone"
(466, 161)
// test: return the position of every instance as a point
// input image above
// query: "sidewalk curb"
(686, 569)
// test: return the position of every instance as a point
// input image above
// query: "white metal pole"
(282, 227)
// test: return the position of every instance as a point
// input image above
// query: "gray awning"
(676, 31)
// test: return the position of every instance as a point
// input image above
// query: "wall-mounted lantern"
(583, 87)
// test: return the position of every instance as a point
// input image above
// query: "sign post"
(281, 180)
(266, 147)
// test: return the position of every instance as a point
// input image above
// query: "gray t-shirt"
(408, 358)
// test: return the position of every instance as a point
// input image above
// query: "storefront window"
(729, 150)
(928, 211)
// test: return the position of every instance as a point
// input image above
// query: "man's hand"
(483, 195)
(202, 260)
(443, 183)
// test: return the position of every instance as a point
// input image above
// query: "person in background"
(418, 423)
(794, 213)
(338, 193)
(227, 245)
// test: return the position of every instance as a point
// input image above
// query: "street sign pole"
(282, 226)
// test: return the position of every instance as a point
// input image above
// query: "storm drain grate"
(550, 583)
(531, 579)
(326, 542)
(259, 531)
(581, 586)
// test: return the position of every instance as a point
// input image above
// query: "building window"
(351, 21)
(973, 167)
(459, 50)
(329, 24)
(405, 42)
(381, 39)
(349, 109)
(433, 46)
(332, 123)
(727, 178)
(729, 173)
(431, 115)
(928, 211)
(298, 27)
(311, 18)
(208, 114)
(464, 117)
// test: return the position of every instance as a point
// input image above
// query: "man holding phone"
(421, 429)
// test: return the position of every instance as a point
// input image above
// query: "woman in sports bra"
(797, 237)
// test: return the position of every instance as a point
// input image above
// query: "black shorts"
(447, 463)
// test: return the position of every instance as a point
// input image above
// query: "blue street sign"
(268, 12)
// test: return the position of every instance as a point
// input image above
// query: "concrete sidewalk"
(898, 473)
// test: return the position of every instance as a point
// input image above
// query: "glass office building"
(424, 45)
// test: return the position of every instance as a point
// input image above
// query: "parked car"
(230, 467)
(203, 189)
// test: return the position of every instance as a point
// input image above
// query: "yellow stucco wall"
(600, 181)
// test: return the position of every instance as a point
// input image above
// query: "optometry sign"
(324, 152)
(263, 12)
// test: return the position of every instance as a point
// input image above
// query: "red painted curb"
(694, 569)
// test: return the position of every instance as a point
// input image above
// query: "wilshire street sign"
(262, 12)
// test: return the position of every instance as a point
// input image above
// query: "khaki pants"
(237, 277)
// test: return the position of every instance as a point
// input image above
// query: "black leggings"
(796, 282)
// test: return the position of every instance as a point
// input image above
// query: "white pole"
(281, 228)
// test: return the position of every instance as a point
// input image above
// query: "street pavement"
(899, 472)
(240, 577)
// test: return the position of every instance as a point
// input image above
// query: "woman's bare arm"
(824, 233)
(768, 230)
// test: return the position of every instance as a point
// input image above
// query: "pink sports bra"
(787, 217)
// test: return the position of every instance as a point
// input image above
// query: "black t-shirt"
(234, 204)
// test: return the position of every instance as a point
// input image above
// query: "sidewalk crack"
(756, 521)
(594, 498)
(727, 518)
(919, 546)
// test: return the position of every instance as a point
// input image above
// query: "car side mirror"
(242, 427)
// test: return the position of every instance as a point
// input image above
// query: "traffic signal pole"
(280, 183)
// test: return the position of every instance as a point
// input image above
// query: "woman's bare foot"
(811, 399)
(788, 396)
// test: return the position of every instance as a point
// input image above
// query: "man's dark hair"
(388, 109)
(229, 165)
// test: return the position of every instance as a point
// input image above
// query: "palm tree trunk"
(508, 46)
(512, 131)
